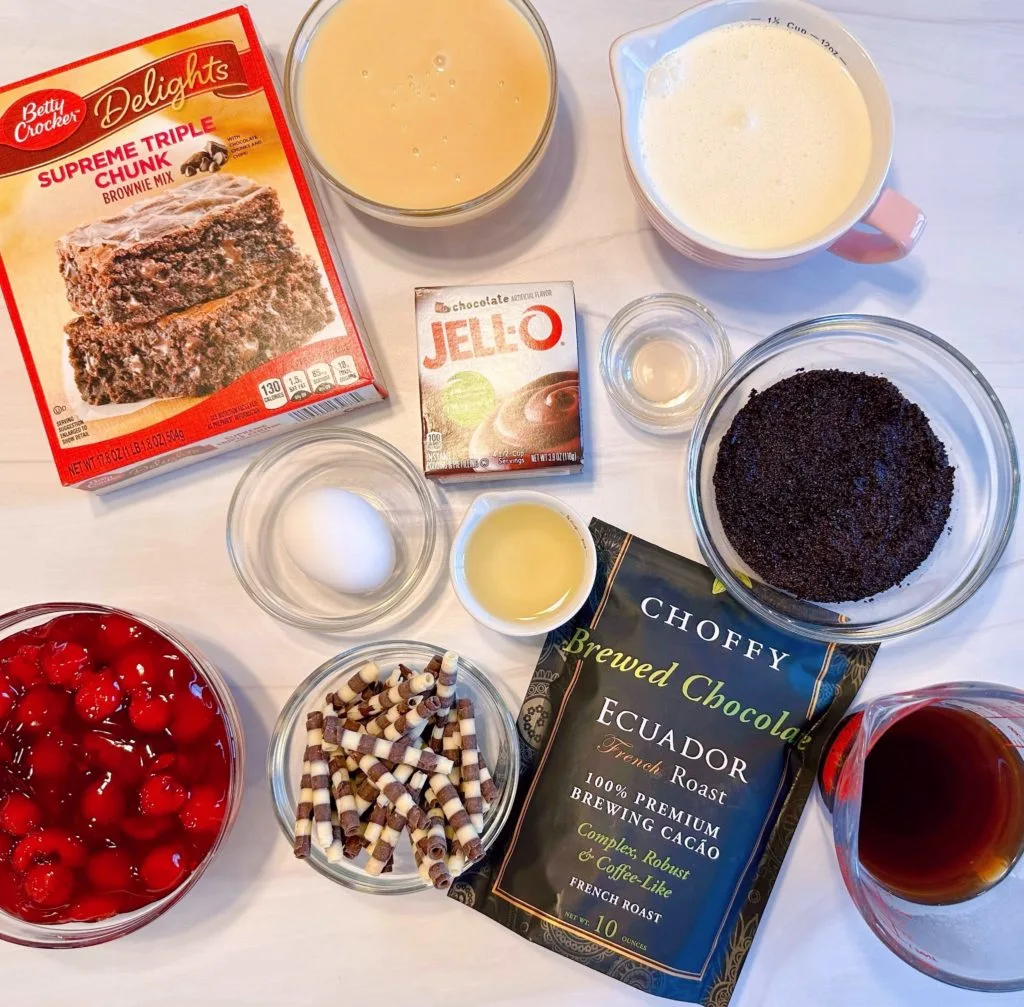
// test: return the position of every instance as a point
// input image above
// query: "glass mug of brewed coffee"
(926, 790)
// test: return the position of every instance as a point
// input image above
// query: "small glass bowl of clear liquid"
(660, 357)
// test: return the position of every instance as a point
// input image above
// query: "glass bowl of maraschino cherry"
(120, 772)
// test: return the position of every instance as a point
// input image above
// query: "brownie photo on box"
(203, 348)
(183, 293)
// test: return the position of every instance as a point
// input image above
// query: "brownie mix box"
(162, 259)
(499, 381)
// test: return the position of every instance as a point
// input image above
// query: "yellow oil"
(523, 562)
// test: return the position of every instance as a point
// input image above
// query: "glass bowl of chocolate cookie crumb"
(853, 478)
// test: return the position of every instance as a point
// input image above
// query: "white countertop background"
(261, 928)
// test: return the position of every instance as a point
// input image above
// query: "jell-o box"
(499, 380)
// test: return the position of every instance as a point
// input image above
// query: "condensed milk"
(423, 104)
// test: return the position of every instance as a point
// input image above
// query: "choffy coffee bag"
(670, 741)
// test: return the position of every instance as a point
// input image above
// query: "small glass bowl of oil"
(522, 563)
(661, 356)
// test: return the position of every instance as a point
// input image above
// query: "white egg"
(339, 539)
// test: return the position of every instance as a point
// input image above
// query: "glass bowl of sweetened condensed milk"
(423, 112)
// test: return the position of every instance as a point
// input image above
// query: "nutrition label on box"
(345, 372)
(321, 378)
(296, 386)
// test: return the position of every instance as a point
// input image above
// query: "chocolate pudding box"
(166, 272)
(499, 381)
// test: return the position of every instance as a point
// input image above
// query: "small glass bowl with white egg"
(332, 529)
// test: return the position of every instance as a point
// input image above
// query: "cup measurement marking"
(800, 29)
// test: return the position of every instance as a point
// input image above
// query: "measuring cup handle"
(900, 224)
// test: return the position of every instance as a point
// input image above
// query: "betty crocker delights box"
(170, 283)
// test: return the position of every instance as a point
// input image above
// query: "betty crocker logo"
(42, 119)
(53, 123)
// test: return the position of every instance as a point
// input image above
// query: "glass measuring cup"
(974, 943)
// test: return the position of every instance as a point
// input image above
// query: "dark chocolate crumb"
(832, 485)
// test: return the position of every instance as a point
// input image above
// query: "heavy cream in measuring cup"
(754, 135)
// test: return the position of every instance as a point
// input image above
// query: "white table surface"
(261, 928)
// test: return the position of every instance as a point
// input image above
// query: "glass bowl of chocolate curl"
(853, 478)
(393, 767)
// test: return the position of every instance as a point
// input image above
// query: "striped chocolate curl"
(448, 797)
(304, 814)
(469, 766)
(396, 751)
(393, 790)
(344, 796)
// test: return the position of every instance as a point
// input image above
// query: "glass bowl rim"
(298, 704)
(237, 551)
(77, 935)
(774, 345)
(293, 65)
(648, 419)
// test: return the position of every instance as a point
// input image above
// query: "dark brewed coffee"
(942, 812)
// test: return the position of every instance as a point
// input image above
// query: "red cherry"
(65, 663)
(42, 708)
(6, 752)
(193, 764)
(49, 758)
(98, 697)
(79, 627)
(163, 869)
(22, 667)
(149, 714)
(179, 673)
(193, 714)
(144, 830)
(116, 633)
(48, 844)
(161, 763)
(110, 871)
(204, 810)
(103, 802)
(49, 885)
(92, 908)
(161, 795)
(114, 755)
(8, 697)
(142, 666)
(5, 847)
(19, 815)
(53, 797)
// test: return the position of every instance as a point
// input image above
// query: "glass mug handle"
(899, 223)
